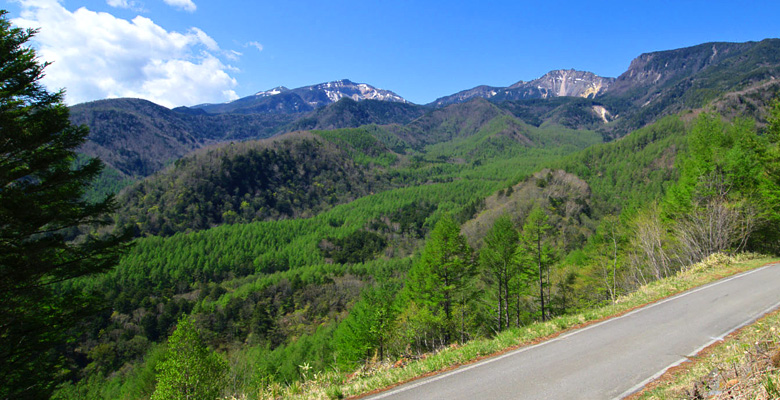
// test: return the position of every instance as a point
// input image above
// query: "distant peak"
(566, 82)
(558, 82)
(272, 92)
(336, 90)
(561, 74)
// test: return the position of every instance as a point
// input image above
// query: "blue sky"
(186, 52)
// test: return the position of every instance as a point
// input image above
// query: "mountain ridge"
(669, 81)
(556, 83)
(656, 84)
(281, 100)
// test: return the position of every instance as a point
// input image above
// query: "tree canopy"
(190, 370)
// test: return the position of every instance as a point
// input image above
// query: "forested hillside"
(295, 177)
(348, 113)
(266, 284)
(301, 174)
(138, 137)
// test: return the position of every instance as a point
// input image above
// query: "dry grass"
(744, 366)
(378, 375)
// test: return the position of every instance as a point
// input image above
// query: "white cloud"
(128, 4)
(233, 55)
(186, 5)
(256, 45)
(207, 41)
(97, 55)
(119, 3)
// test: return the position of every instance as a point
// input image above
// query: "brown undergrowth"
(745, 365)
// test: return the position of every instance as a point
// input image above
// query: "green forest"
(257, 264)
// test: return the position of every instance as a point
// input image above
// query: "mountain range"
(557, 83)
(137, 137)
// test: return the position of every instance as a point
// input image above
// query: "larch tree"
(438, 279)
(368, 328)
(499, 264)
(717, 203)
(535, 251)
(189, 370)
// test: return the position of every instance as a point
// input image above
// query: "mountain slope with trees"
(292, 177)
(138, 137)
(667, 82)
(269, 294)
(348, 113)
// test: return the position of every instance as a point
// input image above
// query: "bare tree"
(715, 223)
(716, 226)
(650, 239)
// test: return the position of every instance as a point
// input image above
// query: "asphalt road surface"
(614, 358)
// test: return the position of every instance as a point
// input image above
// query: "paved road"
(616, 357)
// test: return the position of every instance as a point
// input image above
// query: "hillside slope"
(295, 176)
(138, 137)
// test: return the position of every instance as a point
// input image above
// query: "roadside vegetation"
(746, 365)
(377, 374)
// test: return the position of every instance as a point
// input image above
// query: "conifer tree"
(438, 278)
(367, 329)
(535, 251)
(498, 262)
(42, 208)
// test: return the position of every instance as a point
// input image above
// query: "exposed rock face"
(560, 83)
(602, 112)
(556, 83)
(721, 60)
(667, 82)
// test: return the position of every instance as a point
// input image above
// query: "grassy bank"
(744, 366)
(375, 376)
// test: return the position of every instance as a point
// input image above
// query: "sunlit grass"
(378, 375)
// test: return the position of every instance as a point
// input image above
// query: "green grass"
(378, 375)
